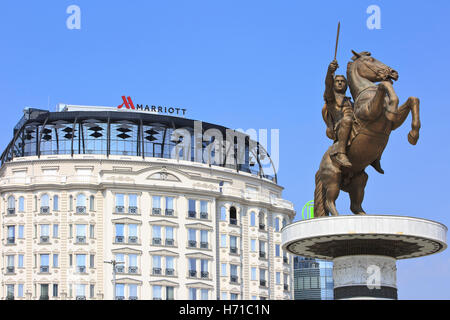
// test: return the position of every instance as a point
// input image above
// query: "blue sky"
(250, 64)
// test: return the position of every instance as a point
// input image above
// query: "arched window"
(223, 214)
(284, 222)
(55, 203)
(262, 220)
(277, 224)
(21, 204)
(233, 216)
(11, 202)
(11, 205)
(253, 218)
(91, 203)
(81, 200)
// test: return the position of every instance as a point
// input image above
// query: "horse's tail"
(319, 198)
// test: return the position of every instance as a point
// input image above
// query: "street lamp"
(114, 263)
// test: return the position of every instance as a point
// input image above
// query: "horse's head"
(372, 69)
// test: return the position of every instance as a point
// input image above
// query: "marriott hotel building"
(85, 186)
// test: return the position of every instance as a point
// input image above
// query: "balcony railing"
(44, 269)
(119, 239)
(81, 239)
(192, 273)
(170, 272)
(11, 211)
(285, 260)
(133, 269)
(132, 239)
(45, 210)
(44, 239)
(204, 274)
(234, 279)
(233, 250)
(43, 297)
(192, 243)
(233, 221)
(133, 210)
(156, 241)
(262, 254)
(286, 287)
(81, 297)
(262, 226)
(169, 212)
(120, 269)
(10, 297)
(120, 298)
(204, 245)
(203, 215)
(10, 269)
(157, 271)
(11, 240)
(262, 283)
(81, 210)
(81, 269)
(132, 298)
(170, 242)
(120, 209)
(156, 211)
(192, 214)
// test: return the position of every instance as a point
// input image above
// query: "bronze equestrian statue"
(375, 114)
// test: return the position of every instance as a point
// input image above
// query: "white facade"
(63, 216)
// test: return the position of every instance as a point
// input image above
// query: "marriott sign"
(128, 104)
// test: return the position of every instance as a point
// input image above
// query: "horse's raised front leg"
(412, 104)
(391, 110)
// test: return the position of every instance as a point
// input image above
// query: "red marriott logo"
(128, 104)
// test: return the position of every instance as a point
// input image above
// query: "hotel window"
(223, 240)
(223, 269)
(170, 293)
(204, 239)
(278, 278)
(156, 205)
(55, 260)
(132, 292)
(253, 273)
(92, 231)
(204, 268)
(81, 263)
(120, 262)
(120, 291)
(91, 203)
(233, 296)
(157, 265)
(91, 291)
(21, 204)
(192, 238)
(191, 211)
(10, 264)
(45, 233)
(45, 207)
(132, 263)
(262, 221)
(20, 233)
(81, 203)
(20, 290)
(203, 209)
(284, 222)
(132, 204)
(9, 292)
(192, 294)
(55, 203)
(277, 250)
(55, 231)
(223, 214)
(20, 261)
(120, 203)
(252, 219)
(262, 250)
(262, 277)
(91, 261)
(44, 292)
(70, 203)
(132, 233)
(233, 244)
(204, 294)
(11, 239)
(81, 291)
(224, 296)
(170, 269)
(192, 268)
(44, 267)
(277, 224)
(55, 290)
(11, 205)
(169, 206)
(253, 245)
(156, 235)
(169, 236)
(80, 233)
(157, 293)
(119, 238)
(233, 216)
(234, 273)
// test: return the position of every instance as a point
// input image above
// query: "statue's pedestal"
(364, 249)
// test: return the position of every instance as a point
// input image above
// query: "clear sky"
(250, 64)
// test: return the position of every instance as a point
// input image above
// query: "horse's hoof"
(413, 138)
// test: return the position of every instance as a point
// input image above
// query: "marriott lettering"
(161, 109)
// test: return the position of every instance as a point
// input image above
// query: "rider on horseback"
(338, 115)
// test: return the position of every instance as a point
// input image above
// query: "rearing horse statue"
(376, 114)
